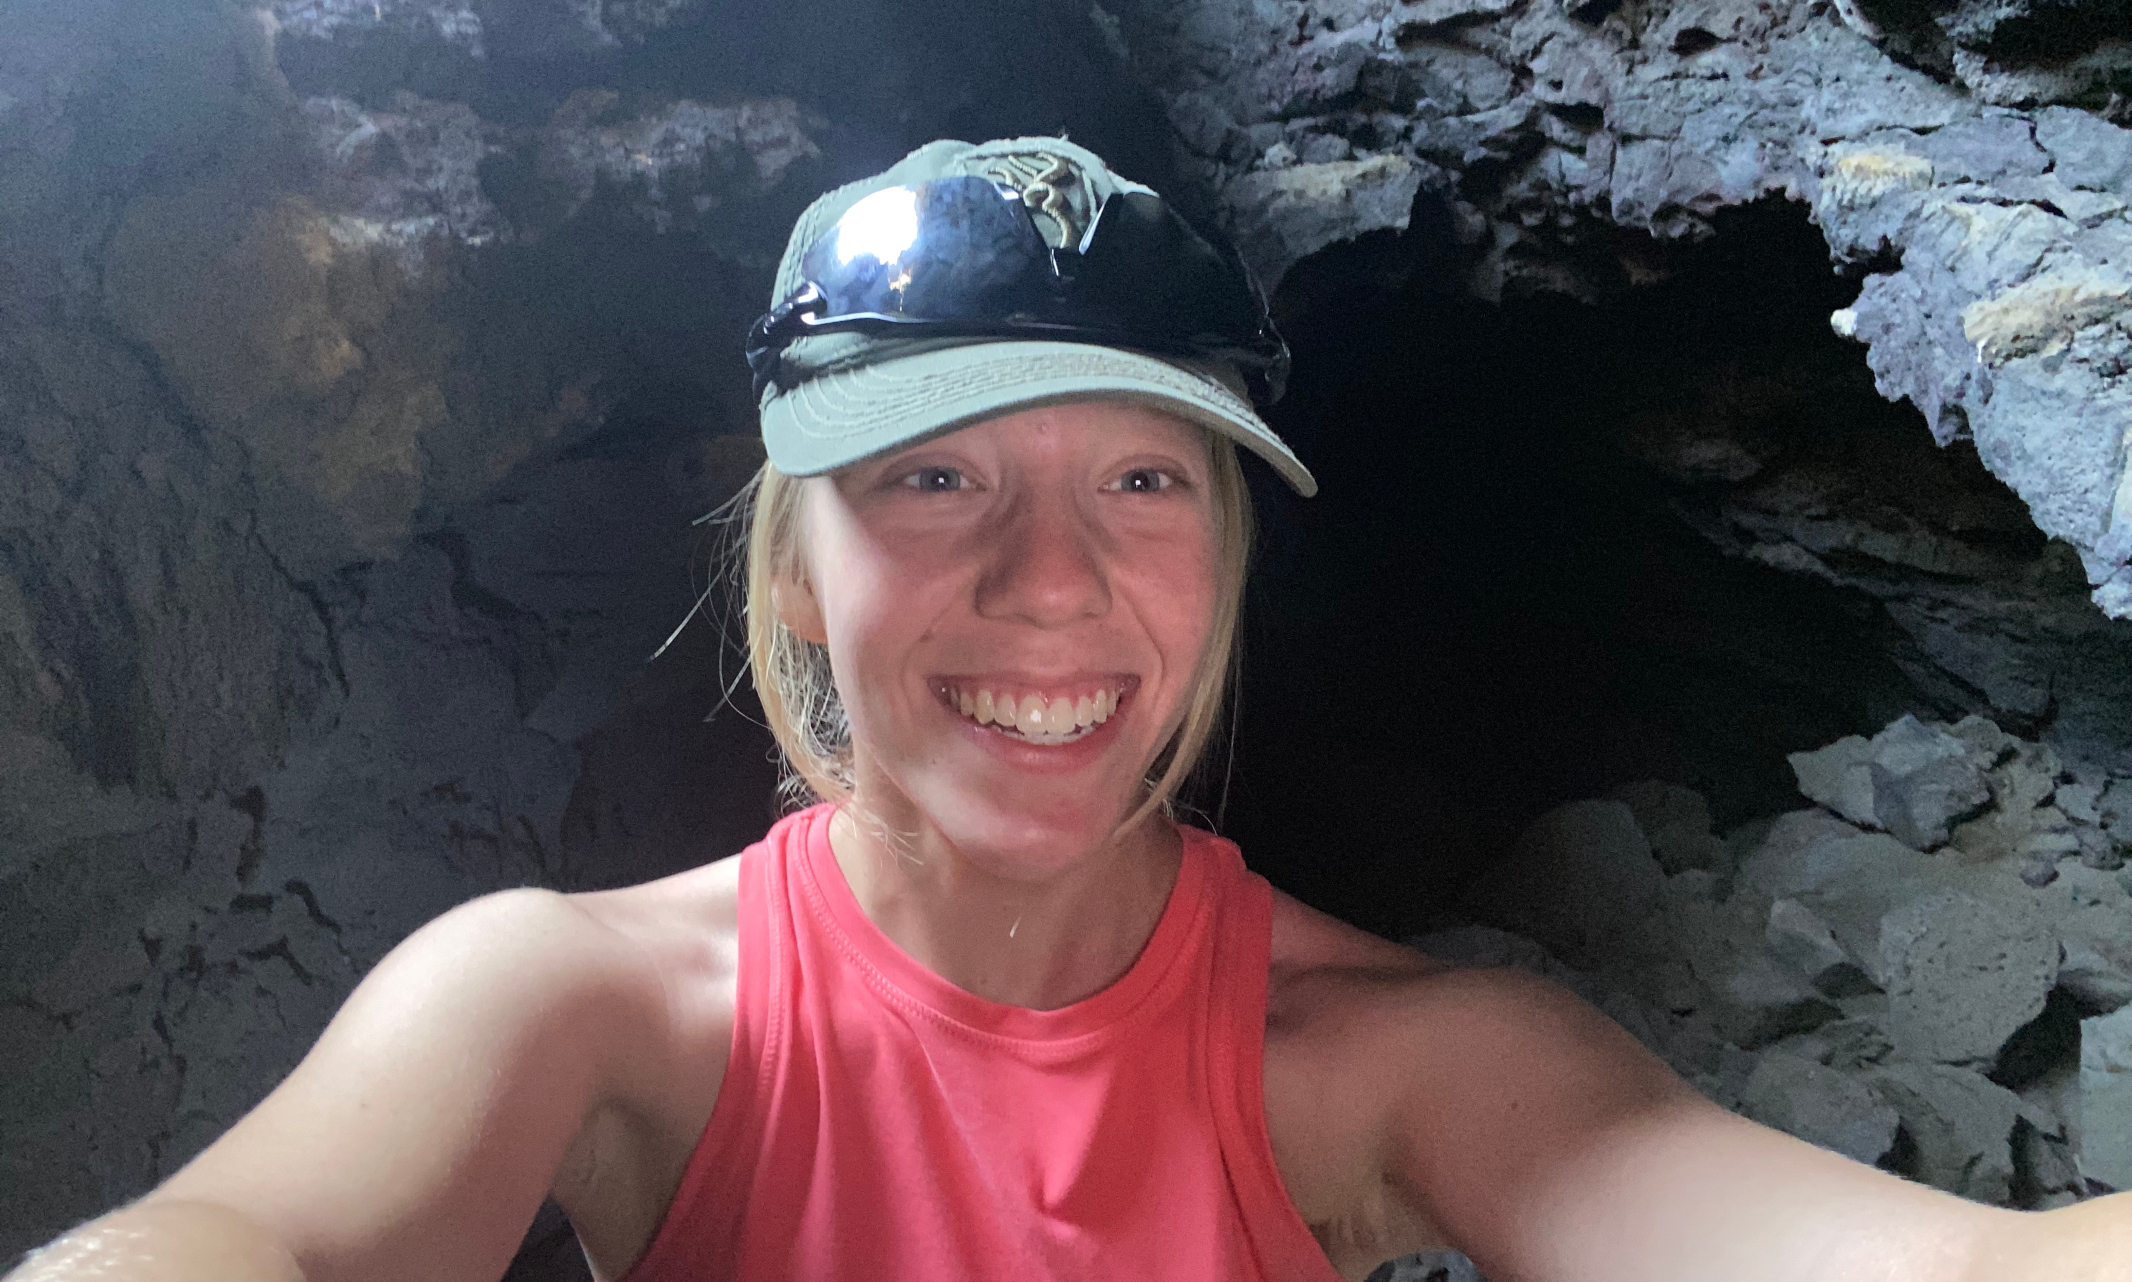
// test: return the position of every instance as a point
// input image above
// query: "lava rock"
(2086, 151)
(1676, 820)
(1803, 942)
(1749, 999)
(1836, 1110)
(1961, 1123)
(1768, 853)
(1285, 214)
(2106, 1098)
(1866, 863)
(1962, 975)
(1581, 881)
(1947, 173)
(1911, 779)
(1839, 776)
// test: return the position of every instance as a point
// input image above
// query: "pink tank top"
(877, 1122)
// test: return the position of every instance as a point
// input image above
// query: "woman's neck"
(1038, 942)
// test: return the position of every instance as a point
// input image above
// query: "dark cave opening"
(1494, 606)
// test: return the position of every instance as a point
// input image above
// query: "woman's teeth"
(1040, 719)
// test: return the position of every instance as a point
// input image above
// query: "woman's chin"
(1027, 836)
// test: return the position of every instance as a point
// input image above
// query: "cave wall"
(364, 365)
(362, 369)
(1990, 214)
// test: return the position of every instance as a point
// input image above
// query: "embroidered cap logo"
(1043, 180)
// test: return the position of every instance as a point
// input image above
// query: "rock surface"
(2106, 1098)
(1931, 1030)
(1904, 1007)
(1991, 218)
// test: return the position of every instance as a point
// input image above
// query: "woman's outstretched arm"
(418, 1138)
(1547, 1144)
(167, 1239)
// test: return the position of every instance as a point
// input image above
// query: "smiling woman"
(793, 672)
(986, 1010)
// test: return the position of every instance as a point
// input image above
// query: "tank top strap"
(1242, 955)
(705, 1216)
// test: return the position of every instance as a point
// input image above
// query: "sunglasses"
(962, 257)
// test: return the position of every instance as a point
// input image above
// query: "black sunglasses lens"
(961, 255)
(950, 250)
(1204, 298)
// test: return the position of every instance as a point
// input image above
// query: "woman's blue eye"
(935, 480)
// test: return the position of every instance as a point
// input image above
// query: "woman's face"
(1015, 614)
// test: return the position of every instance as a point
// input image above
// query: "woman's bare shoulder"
(686, 930)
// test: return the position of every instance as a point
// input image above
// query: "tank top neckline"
(905, 982)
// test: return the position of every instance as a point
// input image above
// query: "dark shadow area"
(1493, 607)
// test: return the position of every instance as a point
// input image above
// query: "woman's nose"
(1045, 565)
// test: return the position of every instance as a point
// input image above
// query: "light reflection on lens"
(881, 226)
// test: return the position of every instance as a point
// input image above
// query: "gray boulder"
(1961, 1124)
(1839, 776)
(1676, 821)
(2097, 968)
(1961, 975)
(1921, 807)
(1821, 1105)
(2088, 152)
(1803, 943)
(1864, 861)
(2106, 1098)
(1748, 998)
(1912, 779)
(1765, 850)
(1581, 880)
(2046, 1171)
(1287, 214)
(1850, 1043)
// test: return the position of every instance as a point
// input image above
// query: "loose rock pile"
(1929, 970)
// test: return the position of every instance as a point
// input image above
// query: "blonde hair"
(798, 691)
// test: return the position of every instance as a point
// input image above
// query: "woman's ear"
(793, 599)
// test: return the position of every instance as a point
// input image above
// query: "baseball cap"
(845, 397)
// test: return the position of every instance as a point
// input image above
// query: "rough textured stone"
(1961, 976)
(1286, 214)
(1677, 822)
(2106, 1099)
(1748, 997)
(355, 401)
(1961, 1123)
(1911, 779)
(1818, 1104)
(1923, 781)
(2097, 967)
(1803, 942)
(1840, 776)
(1580, 881)
(1868, 867)
(2001, 321)
(1768, 994)
(1770, 861)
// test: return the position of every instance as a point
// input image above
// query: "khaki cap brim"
(842, 416)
